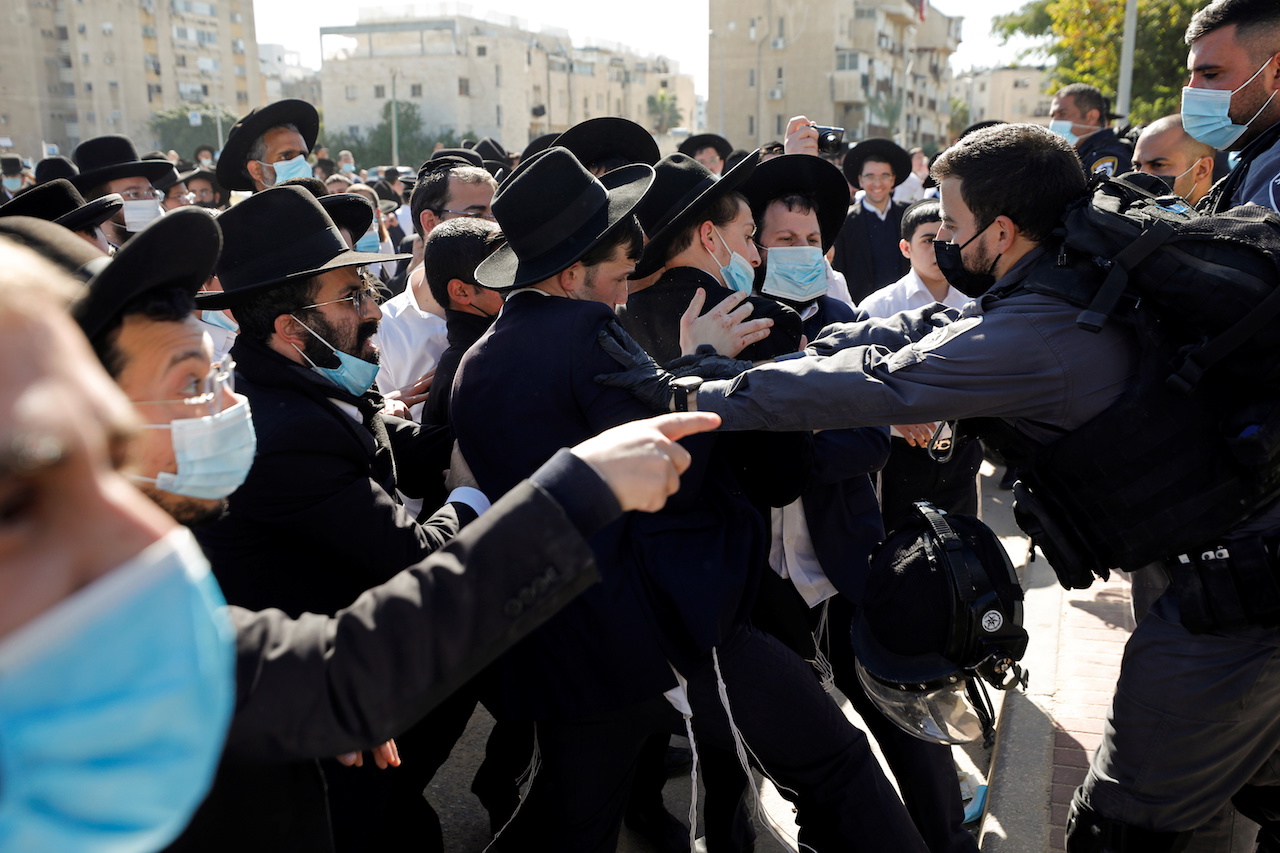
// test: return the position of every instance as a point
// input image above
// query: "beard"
(348, 338)
(187, 511)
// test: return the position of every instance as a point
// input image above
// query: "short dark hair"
(921, 213)
(161, 304)
(432, 190)
(257, 314)
(1254, 19)
(877, 159)
(258, 149)
(1086, 98)
(625, 233)
(720, 213)
(454, 250)
(995, 166)
(200, 148)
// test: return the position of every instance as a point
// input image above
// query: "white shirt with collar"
(906, 293)
(410, 342)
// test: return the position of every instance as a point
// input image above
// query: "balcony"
(846, 87)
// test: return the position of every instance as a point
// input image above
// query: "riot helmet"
(941, 618)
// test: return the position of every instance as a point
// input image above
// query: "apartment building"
(1016, 94)
(873, 67)
(76, 69)
(490, 76)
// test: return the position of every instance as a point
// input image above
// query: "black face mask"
(951, 265)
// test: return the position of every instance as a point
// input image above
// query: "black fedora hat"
(806, 175)
(277, 236)
(52, 168)
(552, 212)
(683, 189)
(168, 180)
(608, 137)
(109, 158)
(491, 149)
(455, 157)
(698, 141)
(11, 165)
(351, 211)
(68, 250)
(499, 169)
(178, 250)
(58, 201)
(235, 153)
(880, 149)
(541, 143)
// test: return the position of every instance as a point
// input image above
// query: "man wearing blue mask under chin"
(1230, 101)
(269, 146)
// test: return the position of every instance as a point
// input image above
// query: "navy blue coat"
(674, 582)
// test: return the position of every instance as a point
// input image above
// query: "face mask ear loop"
(316, 336)
(977, 693)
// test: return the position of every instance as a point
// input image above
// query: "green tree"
(174, 130)
(888, 110)
(959, 117)
(373, 148)
(664, 113)
(1084, 38)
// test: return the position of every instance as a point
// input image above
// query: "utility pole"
(1124, 92)
(395, 123)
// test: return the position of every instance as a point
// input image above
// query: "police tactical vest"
(1192, 449)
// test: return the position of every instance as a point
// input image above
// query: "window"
(481, 50)
(88, 87)
(751, 126)
(180, 60)
(237, 45)
(241, 71)
(351, 93)
(846, 60)
(497, 76)
(464, 87)
(751, 78)
(415, 90)
(107, 28)
(779, 78)
(148, 31)
(499, 113)
(114, 86)
(751, 29)
(208, 64)
(782, 27)
(779, 125)
(242, 97)
(379, 91)
(84, 59)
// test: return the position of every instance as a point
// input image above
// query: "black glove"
(708, 364)
(641, 376)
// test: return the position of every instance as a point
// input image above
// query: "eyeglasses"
(186, 198)
(141, 195)
(360, 300)
(469, 214)
(211, 391)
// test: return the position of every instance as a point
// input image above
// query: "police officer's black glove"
(708, 364)
(641, 376)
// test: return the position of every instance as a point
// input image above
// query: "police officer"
(1079, 114)
(1194, 716)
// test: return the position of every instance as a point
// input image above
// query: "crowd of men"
(301, 461)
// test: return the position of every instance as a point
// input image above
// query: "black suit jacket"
(464, 330)
(674, 582)
(319, 686)
(853, 256)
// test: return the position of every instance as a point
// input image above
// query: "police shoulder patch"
(1106, 165)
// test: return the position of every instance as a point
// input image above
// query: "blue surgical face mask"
(353, 374)
(214, 453)
(286, 170)
(738, 274)
(349, 167)
(12, 184)
(369, 242)
(1205, 113)
(114, 705)
(221, 320)
(795, 273)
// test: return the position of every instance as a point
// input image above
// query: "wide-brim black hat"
(499, 169)
(682, 190)
(177, 178)
(878, 149)
(698, 141)
(74, 254)
(110, 158)
(208, 175)
(389, 205)
(491, 149)
(806, 175)
(541, 143)
(351, 211)
(52, 168)
(552, 212)
(178, 250)
(607, 137)
(245, 132)
(276, 236)
(11, 165)
(59, 201)
(466, 156)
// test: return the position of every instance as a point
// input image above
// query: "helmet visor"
(940, 715)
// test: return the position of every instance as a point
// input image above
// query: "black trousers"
(799, 735)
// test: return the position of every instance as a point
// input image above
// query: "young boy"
(911, 474)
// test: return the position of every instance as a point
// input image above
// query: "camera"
(830, 139)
